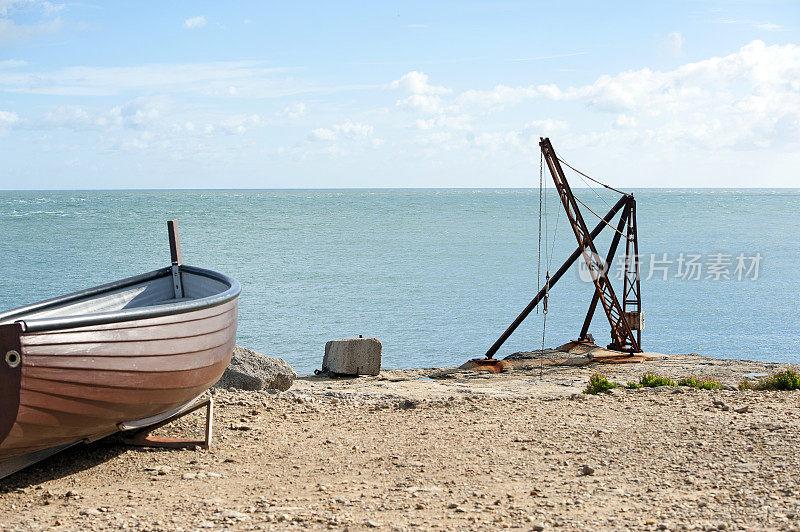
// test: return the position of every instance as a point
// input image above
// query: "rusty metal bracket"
(488, 364)
(142, 437)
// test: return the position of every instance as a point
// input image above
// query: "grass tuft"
(788, 379)
(598, 384)
(651, 380)
(702, 383)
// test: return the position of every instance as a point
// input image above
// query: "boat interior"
(151, 290)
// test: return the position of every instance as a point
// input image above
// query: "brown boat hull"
(80, 383)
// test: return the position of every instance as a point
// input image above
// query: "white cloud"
(499, 142)
(345, 131)
(769, 27)
(624, 121)
(8, 118)
(423, 96)
(194, 22)
(214, 78)
(753, 94)
(155, 118)
(422, 102)
(765, 26)
(457, 122)
(12, 63)
(37, 16)
(750, 96)
(7, 7)
(72, 117)
(14, 34)
(417, 83)
(673, 44)
(322, 133)
(547, 126)
(141, 113)
(295, 110)
(240, 124)
(500, 95)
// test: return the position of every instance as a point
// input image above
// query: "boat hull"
(81, 383)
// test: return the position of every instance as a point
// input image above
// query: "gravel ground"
(472, 451)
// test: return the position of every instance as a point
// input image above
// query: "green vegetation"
(703, 383)
(651, 380)
(788, 379)
(598, 383)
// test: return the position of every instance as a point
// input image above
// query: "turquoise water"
(437, 275)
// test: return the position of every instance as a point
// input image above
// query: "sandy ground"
(403, 451)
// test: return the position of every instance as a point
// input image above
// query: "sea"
(436, 274)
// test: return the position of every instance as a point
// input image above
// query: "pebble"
(233, 514)
(587, 470)
(158, 470)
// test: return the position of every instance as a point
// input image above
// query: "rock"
(721, 405)
(90, 511)
(158, 470)
(742, 409)
(407, 404)
(250, 370)
(353, 356)
(587, 470)
(233, 514)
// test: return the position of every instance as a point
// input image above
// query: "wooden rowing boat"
(85, 365)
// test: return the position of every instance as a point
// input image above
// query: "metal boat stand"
(140, 432)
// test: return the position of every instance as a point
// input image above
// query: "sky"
(397, 94)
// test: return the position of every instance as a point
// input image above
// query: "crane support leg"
(612, 250)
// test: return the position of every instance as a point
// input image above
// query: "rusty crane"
(626, 318)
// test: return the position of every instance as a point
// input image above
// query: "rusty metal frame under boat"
(623, 318)
(124, 355)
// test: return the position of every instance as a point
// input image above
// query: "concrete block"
(353, 356)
